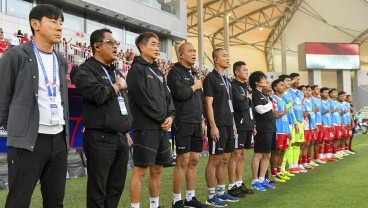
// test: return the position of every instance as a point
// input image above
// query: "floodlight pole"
(200, 34)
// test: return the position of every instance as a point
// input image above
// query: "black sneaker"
(194, 203)
(245, 190)
(178, 204)
(235, 192)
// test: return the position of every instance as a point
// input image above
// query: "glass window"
(73, 22)
(19, 8)
(93, 25)
(130, 37)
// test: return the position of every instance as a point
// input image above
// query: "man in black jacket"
(243, 116)
(153, 112)
(189, 127)
(34, 111)
(107, 119)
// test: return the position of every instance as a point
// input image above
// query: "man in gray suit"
(34, 111)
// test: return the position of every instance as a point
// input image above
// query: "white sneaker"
(336, 156)
(350, 152)
(312, 163)
(320, 161)
(344, 153)
(302, 169)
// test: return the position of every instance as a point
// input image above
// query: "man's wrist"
(119, 86)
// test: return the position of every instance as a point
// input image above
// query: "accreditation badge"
(55, 119)
(123, 108)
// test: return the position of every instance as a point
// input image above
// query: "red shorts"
(349, 131)
(307, 136)
(327, 133)
(282, 141)
(319, 135)
(314, 135)
(345, 132)
(337, 132)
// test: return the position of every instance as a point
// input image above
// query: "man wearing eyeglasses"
(107, 121)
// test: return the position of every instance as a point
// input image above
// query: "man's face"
(287, 82)
(189, 54)
(50, 30)
(151, 48)
(267, 87)
(333, 94)
(108, 47)
(242, 73)
(308, 91)
(324, 94)
(316, 90)
(280, 87)
(223, 59)
(342, 97)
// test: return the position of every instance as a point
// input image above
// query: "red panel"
(332, 48)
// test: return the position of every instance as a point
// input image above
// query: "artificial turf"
(335, 184)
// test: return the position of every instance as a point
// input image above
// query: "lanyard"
(53, 93)
(108, 76)
(242, 89)
(191, 73)
(225, 83)
(158, 77)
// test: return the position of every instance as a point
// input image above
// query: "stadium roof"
(259, 23)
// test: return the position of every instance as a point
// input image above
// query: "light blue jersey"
(287, 98)
(308, 107)
(297, 97)
(317, 105)
(344, 117)
(282, 123)
(335, 117)
(326, 118)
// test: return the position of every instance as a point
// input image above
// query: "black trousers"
(47, 162)
(107, 158)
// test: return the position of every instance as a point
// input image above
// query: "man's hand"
(121, 81)
(249, 96)
(166, 125)
(197, 84)
(235, 130)
(296, 128)
(204, 128)
(215, 134)
(254, 132)
(129, 139)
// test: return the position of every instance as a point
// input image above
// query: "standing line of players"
(287, 121)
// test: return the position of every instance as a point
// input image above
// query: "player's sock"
(278, 170)
(189, 195)
(176, 197)
(274, 171)
(154, 202)
(231, 185)
(221, 189)
(296, 154)
(135, 205)
(238, 183)
(261, 179)
(211, 193)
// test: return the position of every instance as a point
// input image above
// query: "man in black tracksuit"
(153, 112)
(188, 128)
(107, 120)
(243, 116)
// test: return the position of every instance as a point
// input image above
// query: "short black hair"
(331, 90)
(256, 77)
(307, 86)
(347, 96)
(341, 93)
(323, 89)
(215, 53)
(292, 75)
(282, 77)
(143, 38)
(275, 83)
(237, 66)
(314, 87)
(97, 36)
(45, 10)
(300, 87)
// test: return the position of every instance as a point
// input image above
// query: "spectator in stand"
(14, 40)
(127, 55)
(24, 39)
(3, 44)
(74, 70)
(19, 34)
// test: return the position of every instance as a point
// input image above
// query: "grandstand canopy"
(257, 25)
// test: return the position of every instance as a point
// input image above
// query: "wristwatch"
(119, 85)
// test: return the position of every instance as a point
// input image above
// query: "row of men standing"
(34, 111)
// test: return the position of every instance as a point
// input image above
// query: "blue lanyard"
(53, 93)
(108, 76)
(191, 73)
(225, 83)
(242, 89)
(158, 77)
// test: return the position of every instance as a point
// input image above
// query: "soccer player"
(265, 127)
(336, 122)
(243, 116)
(189, 127)
(327, 124)
(297, 98)
(310, 133)
(346, 123)
(318, 143)
(280, 109)
(221, 128)
(289, 152)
